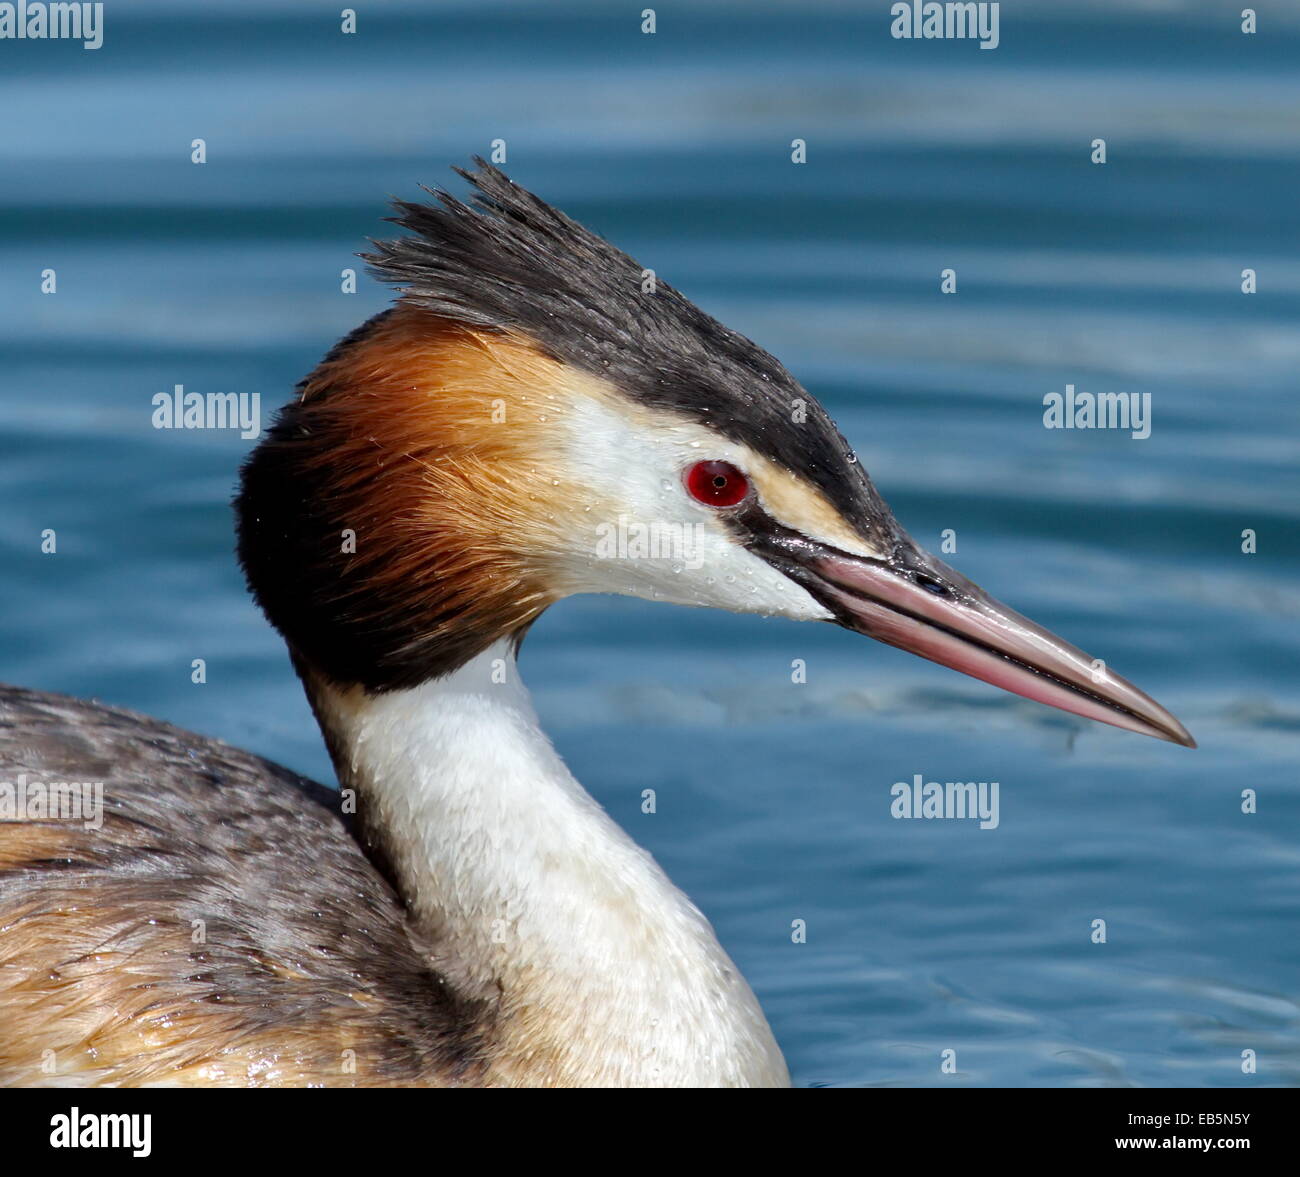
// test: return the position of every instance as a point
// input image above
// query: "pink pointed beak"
(919, 604)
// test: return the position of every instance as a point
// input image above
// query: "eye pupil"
(716, 484)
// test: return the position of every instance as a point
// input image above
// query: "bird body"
(229, 929)
(221, 929)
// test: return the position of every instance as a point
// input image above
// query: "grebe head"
(540, 416)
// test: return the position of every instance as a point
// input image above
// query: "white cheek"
(640, 534)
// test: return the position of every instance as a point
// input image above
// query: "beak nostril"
(931, 585)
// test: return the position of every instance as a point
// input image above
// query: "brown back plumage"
(104, 975)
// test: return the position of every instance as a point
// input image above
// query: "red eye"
(716, 484)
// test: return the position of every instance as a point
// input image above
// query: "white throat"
(601, 972)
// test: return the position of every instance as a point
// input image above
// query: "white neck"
(602, 973)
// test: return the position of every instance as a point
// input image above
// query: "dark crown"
(508, 261)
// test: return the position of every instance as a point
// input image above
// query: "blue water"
(773, 799)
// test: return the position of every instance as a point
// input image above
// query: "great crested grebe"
(441, 478)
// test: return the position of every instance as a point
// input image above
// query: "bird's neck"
(598, 970)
